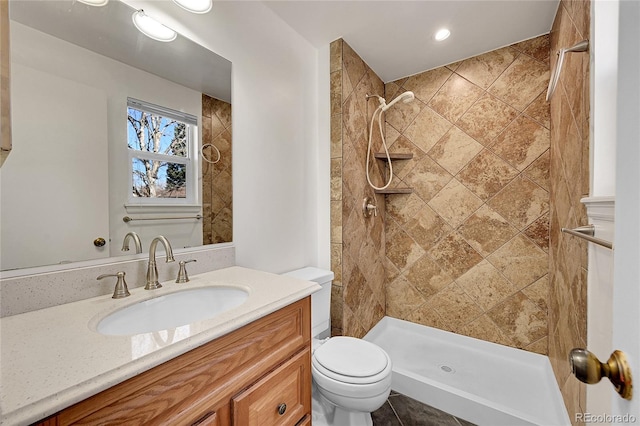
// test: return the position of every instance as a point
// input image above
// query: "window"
(161, 150)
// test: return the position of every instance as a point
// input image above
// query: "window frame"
(190, 160)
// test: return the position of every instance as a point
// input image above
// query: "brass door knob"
(588, 369)
(99, 242)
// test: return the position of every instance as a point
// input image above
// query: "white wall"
(626, 296)
(323, 160)
(600, 211)
(279, 165)
(604, 82)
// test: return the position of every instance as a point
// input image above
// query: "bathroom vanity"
(259, 368)
(259, 371)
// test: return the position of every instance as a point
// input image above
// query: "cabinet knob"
(282, 408)
(99, 242)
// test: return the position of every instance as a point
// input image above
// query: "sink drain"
(447, 369)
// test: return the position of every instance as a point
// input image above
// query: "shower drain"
(447, 369)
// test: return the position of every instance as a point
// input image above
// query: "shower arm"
(382, 100)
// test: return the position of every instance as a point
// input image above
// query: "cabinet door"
(219, 416)
(282, 397)
(209, 419)
(51, 421)
(306, 421)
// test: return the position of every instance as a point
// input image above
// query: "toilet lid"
(351, 357)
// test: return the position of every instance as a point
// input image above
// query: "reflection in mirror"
(216, 170)
(68, 182)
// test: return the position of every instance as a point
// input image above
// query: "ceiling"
(109, 31)
(395, 38)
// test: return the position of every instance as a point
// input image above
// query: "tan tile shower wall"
(569, 182)
(357, 243)
(217, 202)
(467, 251)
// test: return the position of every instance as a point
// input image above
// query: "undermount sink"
(171, 310)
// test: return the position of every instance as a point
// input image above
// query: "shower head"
(405, 97)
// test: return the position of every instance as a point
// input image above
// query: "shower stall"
(459, 176)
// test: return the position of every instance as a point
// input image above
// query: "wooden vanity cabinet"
(259, 374)
(287, 388)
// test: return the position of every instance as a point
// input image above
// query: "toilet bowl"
(354, 377)
(351, 377)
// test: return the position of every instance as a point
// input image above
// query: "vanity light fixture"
(94, 2)
(442, 34)
(195, 6)
(152, 28)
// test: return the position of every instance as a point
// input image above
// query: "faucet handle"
(121, 290)
(182, 272)
(368, 207)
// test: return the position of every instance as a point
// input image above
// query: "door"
(44, 164)
(626, 292)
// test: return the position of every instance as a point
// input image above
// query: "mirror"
(66, 186)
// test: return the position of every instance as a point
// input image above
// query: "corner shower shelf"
(389, 191)
(393, 156)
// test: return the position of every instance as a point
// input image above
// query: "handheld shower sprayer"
(405, 97)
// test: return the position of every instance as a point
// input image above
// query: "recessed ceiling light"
(152, 28)
(442, 34)
(195, 6)
(94, 2)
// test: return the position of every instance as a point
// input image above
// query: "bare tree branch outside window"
(153, 176)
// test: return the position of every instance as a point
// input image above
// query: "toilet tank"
(320, 300)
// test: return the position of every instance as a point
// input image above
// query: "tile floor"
(400, 410)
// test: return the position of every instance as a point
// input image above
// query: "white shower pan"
(481, 382)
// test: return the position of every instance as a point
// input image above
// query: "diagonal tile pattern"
(217, 205)
(454, 150)
(568, 182)
(358, 296)
(483, 70)
(455, 97)
(468, 248)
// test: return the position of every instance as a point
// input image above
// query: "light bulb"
(94, 2)
(442, 34)
(152, 28)
(195, 6)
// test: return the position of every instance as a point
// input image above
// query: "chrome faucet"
(136, 240)
(152, 270)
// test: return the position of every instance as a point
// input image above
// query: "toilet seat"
(351, 360)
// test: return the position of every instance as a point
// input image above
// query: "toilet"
(351, 377)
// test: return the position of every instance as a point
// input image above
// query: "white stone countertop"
(52, 358)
